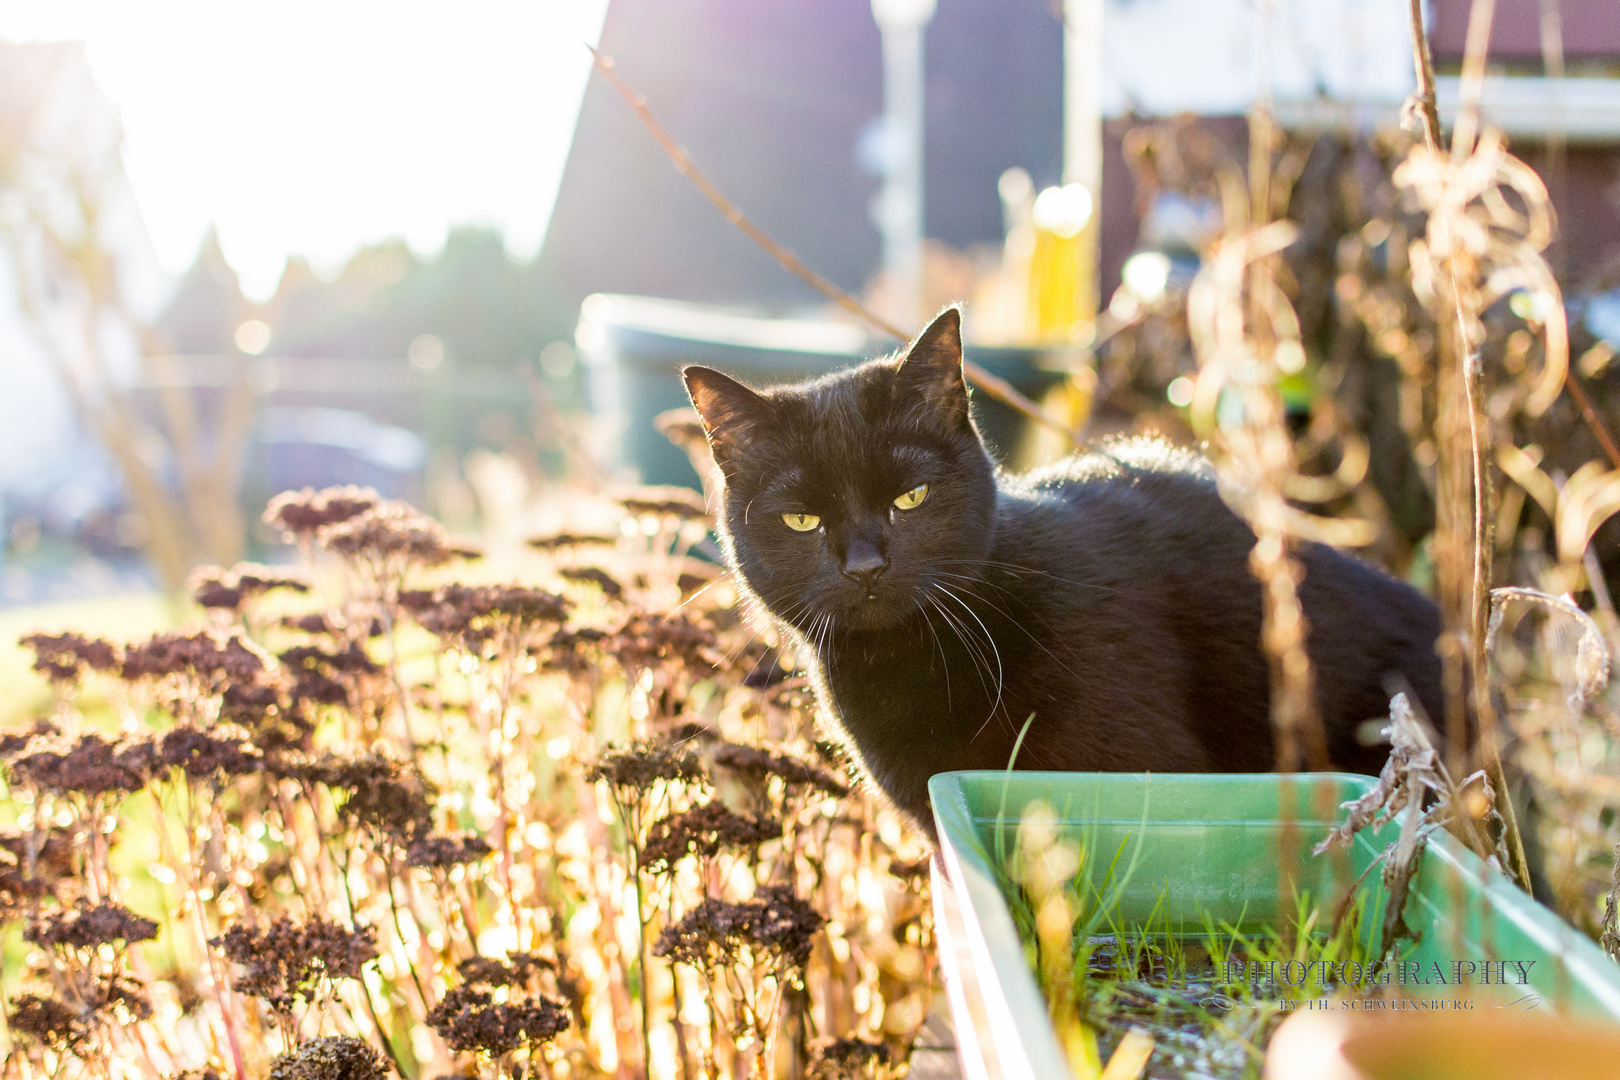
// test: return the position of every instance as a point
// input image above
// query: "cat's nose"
(865, 563)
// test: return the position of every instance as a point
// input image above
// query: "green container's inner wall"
(1207, 848)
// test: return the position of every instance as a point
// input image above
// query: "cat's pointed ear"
(931, 373)
(733, 416)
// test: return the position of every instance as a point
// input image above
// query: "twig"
(997, 388)
(1465, 605)
(1593, 420)
(1423, 61)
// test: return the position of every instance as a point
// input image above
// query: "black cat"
(1108, 595)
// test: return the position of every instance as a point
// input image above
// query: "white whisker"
(981, 665)
(1015, 567)
(944, 662)
(989, 640)
(1008, 615)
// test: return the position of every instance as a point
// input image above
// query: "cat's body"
(1108, 596)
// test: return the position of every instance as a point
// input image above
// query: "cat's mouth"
(871, 609)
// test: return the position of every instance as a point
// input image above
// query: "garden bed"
(1196, 859)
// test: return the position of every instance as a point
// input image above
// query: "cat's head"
(846, 499)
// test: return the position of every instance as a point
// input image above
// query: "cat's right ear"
(733, 416)
(931, 375)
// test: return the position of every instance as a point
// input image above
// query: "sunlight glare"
(315, 126)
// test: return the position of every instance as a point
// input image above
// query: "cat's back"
(1139, 535)
(1137, 499)
(1129, 460)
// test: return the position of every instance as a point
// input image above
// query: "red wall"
(1591, 30)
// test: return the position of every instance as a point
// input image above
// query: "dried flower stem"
(217, 983)
(1463, 545)
(1611, 911)
(1593, 420)
(1423, 60)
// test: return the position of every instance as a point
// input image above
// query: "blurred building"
(1554, 88)
(778, 104)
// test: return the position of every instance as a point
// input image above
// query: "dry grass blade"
(1246, 335)
(1488, 221)
(1414, 779)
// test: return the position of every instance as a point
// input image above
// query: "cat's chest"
(920, 691)
(874, 679)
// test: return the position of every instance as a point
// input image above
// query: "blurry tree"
(64, 205)
(487, 309)
(207, 306)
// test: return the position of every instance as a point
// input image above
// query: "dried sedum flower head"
(439, 852)
(703, 831)
(469, 1020)
(200, 655)
(351, 661)
(88, 927)
(575, 652)
(16, 741)
(336, 1057)
(646, 640)
(326, 677)
(63, 658)
(213, 587)
(517, 970)
(470, 614)
(90, 766)
(761, 762)
(843, 1059)
(775, 927)
(664, 501)
(32, 863)
(393, 530)
(595, 576)
(642, 764)
(122, 997)
(47, 1021)
(555, 541)
(301, 514)
(382, 795)
(208, 755)
(287, 961)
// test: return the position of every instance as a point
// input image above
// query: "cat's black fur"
(1109, 595)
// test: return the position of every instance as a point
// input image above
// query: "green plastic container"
(1210, 843)
(635, 346)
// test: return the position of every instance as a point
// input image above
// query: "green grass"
(1104, 975)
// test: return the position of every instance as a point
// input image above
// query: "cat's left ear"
(931, 373)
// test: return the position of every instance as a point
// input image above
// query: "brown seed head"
(335, 1057)
(703, 831)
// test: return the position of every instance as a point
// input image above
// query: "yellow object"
(1080, 1046)
(1130, 1057)
(1062, 282)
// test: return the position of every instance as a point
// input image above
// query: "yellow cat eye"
(801, 522)
(912, 498)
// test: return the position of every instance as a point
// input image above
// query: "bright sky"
(315, 126)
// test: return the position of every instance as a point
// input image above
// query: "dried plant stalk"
(1246, 334)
